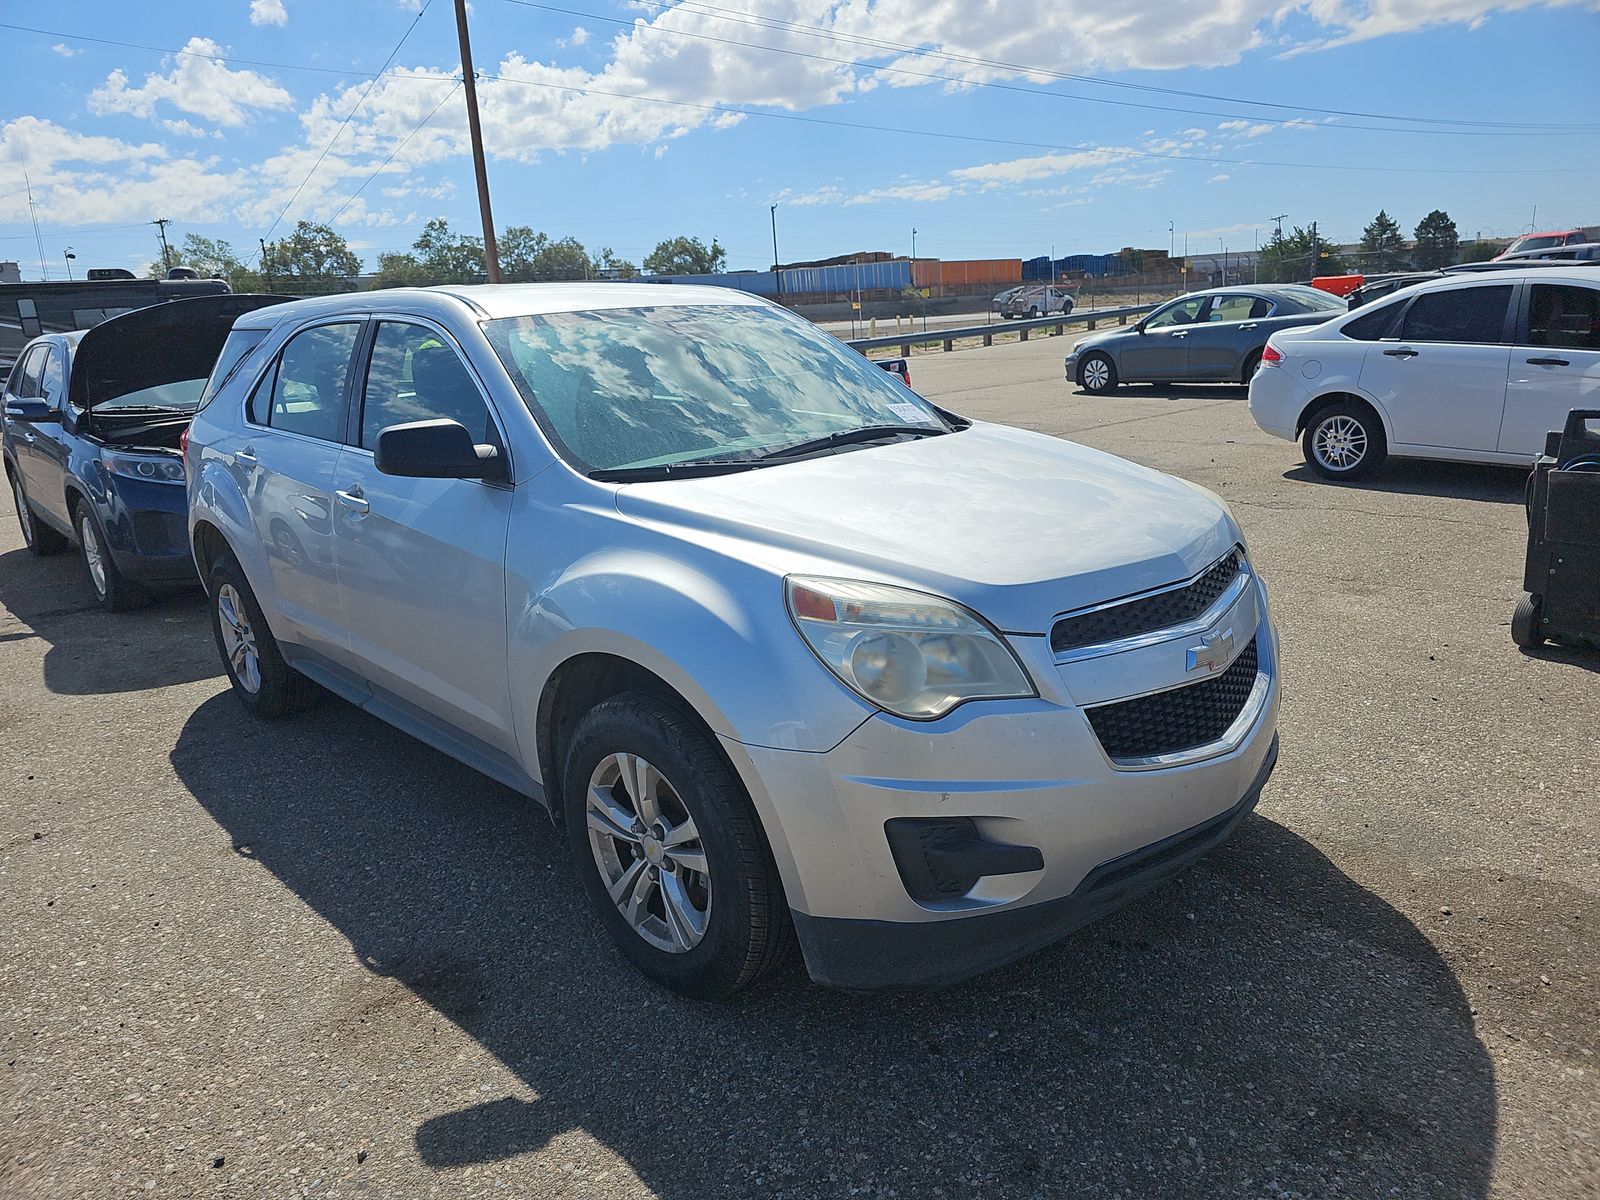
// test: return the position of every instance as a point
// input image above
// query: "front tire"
(1033, 313)
(36, 535)
(670, 851)
(1252, 364)
(114, 590)
(1097, 374)
(266, 685)
(1527, 622)
(1344, 441)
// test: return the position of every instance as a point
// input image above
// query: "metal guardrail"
(1057, 324)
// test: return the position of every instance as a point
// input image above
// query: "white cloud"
(199, 84)
(1223, 177)
(268, 12)
(65, 50)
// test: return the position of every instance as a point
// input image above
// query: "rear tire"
(36, 535)
(1033, 313)
(1344, 440)
(1097, 374)
(680, 873)
(266, 685)
(1527, 622)
(114, 590)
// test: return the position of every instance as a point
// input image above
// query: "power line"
(372, 83)
(708, 10)
(1113, 151)
(349, 200)
(855, 65)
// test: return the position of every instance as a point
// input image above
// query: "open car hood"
(148, 347)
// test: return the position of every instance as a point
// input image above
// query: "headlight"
(910, 653)
(151, 468)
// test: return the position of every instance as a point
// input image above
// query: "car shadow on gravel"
(1422, 477)
(93, 651)
(1262, 1026)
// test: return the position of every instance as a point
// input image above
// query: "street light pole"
(69, 256)
(491, 252)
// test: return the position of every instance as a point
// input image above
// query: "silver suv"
(789, 652)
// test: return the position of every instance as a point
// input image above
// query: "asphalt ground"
(317, 958)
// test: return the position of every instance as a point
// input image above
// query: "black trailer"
(1561, 579)
(30, 309)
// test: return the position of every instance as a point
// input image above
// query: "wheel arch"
(1328, 399)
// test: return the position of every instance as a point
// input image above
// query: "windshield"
(182, 396)
(640, 387)
(1536, 242)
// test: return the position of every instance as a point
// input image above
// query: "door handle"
(246, 458)
(1248, 325)
(1181, 333)
(1549, 362)
(1403, 352)
(355, 501)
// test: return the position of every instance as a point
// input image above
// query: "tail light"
(183, 443)
(1271, 355)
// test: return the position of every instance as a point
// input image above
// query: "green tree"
(610, 265)
(526, 255)
(1383, 246)
(686, 256)
(448, 257)
(1481, 250)
(401, 270)
(1437, 240)
(313, 258)
(1299, 256)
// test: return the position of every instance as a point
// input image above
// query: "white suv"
(789, 652)
(1476, 368)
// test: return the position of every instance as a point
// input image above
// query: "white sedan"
(1474, 369)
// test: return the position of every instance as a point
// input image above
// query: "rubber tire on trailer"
(1110, 384)
(117, 593)
(1252, 364)
(1527, 622)
(36, 535)
(748, 932)
(1377, 446)
(283, 690)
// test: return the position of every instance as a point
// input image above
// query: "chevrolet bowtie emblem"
(1212, 654)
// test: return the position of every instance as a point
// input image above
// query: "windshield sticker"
(910, 412)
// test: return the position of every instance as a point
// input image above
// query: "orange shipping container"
(933, 272)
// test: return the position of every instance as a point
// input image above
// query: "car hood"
(148, 347)
(1109, 338)
(1016, 525)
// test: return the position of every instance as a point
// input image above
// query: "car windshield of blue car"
(670, 386)
(181, 396)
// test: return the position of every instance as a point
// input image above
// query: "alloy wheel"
(239, 639)
(1340, 443)
(94, 555)
(22, 510)
(649, 853)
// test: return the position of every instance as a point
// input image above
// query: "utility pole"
(776, 273)
(1279, 221)
(1316, 251)
(266, 269)
(491, 252)
(161, 224)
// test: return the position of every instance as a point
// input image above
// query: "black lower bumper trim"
(863, 955)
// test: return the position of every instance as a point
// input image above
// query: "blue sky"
(996, 128)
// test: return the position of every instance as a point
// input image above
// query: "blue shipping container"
(867, 277)
(760, 283)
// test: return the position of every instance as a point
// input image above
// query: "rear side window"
(308, 392)
(1565, 316)
(234, 351)
(416, 376)
(1239, 308)
(1473, 315)
(1371, 326)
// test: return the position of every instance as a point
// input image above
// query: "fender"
(1343, 385)
(215, 497)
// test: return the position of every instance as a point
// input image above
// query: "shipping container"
(838, 281)
(759, 283)
(966, 272)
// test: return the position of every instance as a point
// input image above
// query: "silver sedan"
(1204, 337)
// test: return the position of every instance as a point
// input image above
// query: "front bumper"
(1024, 773)
(865, 954)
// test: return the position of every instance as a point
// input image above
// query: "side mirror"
(436, 450)
(1138, 326)
(32, 412)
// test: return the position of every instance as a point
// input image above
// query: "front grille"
(1146, 615)
(1174, 721)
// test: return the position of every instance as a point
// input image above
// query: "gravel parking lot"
(318, 958)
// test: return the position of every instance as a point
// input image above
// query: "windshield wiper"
(848, 437)
(692, 468)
